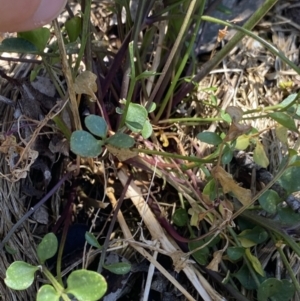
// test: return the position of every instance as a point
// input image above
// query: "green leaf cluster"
(85, 144)
(84, 285)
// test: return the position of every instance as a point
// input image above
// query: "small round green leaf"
(151, 108)
(210, 138)
(180, 217)
(269, 201)
(287, 216)
(96, 125)
(47, 293)
(136, 117)
(85, 144)
(225, 116)
(210, 189)
(227, 155)
(47, 248)
(38, 37)
(257, 235)
(235, 253)
(147, 130)
(20, 275)
(10, 250)
(244, 277)
(201, 256)
(119, 268)
(86, 285)
(277, 290)
(92, 240)
(242, 142)
(73, 28)
(259, 155)
(290, 179)
(120, 140)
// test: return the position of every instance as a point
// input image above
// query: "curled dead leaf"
(6, 143)
(217, 258)
(235, 113)
(85, 83)
(229, 185)
(236, 130)
(122, 154)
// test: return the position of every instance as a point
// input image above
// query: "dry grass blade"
(179, 259)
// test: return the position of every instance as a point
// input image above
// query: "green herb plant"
(160, 73)
(82, 284)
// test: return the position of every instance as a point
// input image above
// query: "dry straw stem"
(172, 250)
(68, 75)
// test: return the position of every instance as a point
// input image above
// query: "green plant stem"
(59, 288)
(131, 86)
(286, 263)
(62, 126)
(53, 78)
(183, 61)
(85, 33)
(207, 67)
(176, 45)
(190, 119)
(68, 75)
(245, 31)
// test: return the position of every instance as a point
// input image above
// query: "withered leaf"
(85, 83)
(229, 185)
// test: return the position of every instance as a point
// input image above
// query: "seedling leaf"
(18, 45)
(136, 117)
(242, 142)
(243, 275)
(285, 120)
(38, 37)
(120, 140)
(84, 144)
(255, 263)
(151, 108)
(269, 201)
(201, 256)
(259, 155)
(287, 216)
(86, 285)
(180, 217)
(289, 180)
(20, 275)
(277, 290)
(96, 125)
(210, 138)
(147, 130)
(288, 101)
(227, 155)
(119, 268)
(235, 253)
(92, 240)
(281, 133)
(47, 293)
(47, 248)
(254, 236)
(85, 83)
(73, 28)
